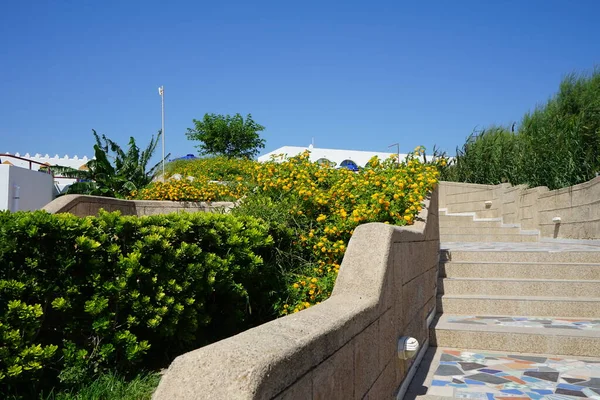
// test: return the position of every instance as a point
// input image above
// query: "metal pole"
(162, 96)
(16, 197)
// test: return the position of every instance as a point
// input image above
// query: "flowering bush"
(315, 207)
(206, 179)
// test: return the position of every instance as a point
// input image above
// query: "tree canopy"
(230, 136)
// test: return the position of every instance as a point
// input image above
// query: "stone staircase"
(467, 227)
(537, 298)
(529, 306)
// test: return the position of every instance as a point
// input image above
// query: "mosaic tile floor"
(496, 376)
(529, 322)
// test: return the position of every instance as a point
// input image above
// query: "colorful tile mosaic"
(529, 322)
(496, 376)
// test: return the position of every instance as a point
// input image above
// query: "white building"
(23, 189)
(37, 161)
(342, 158)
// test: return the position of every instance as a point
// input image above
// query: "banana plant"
(113, 172)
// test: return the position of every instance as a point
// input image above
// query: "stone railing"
(82, 206)
(578, 207)
(343, 348)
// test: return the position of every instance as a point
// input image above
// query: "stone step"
(525, 270)
(491, 237)
(469, 220)
(481, 214)
(509, 255)
(519, 287)
(581, 307)
(478, 230)
(480, 208)
(575, 337)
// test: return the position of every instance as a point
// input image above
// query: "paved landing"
(529, 322)
(546, 246)
(487, 375)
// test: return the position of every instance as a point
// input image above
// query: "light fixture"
(407, 347)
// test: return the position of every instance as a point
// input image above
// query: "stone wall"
(343, 348)
(577, 206)
(82, 205)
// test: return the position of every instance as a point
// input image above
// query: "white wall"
(4, 186)
(35, 188)
(60, 184)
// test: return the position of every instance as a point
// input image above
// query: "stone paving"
(505, 376)
(529, 322)
(545, 246)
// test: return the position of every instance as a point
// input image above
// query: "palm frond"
(68, 172)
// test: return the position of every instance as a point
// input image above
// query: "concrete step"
(519, 287)
(580, 337)
(525, 270)
(450, 220)
(469, 223)
(479, 208)
(519, 256)
(567, 307)
(478, 230)
(484, 237)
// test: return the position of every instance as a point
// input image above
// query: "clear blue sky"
(353, 74)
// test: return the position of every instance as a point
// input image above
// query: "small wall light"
(488, 204)
(407, 347)
(556, 220)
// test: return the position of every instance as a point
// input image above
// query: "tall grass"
(112, 387)
(489, 156)
(107, 386)
(556, 145)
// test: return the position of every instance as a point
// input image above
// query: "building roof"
(66, 161)
(336, 155)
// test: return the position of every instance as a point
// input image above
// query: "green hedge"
(79, 296)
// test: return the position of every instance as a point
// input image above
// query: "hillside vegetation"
(556, 145)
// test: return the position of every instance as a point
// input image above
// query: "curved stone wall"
(345, 347)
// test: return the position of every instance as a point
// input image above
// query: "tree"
(226, 135)
(119, 178)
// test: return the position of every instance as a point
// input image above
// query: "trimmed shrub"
(79, 296)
